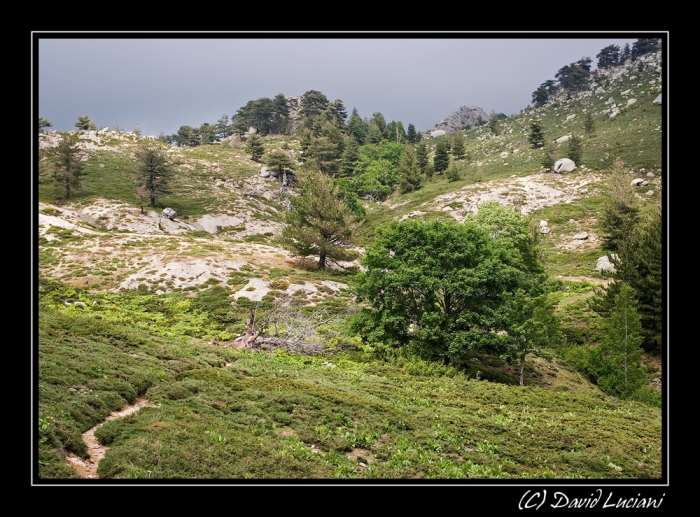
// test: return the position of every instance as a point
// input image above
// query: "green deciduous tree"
(441, 285)
(84, 123)
(69, 165)
(530, 324)
(319, 222)
(154, 172)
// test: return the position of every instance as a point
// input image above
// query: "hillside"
(136, 305)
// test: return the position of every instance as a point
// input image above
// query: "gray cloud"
(161, 84)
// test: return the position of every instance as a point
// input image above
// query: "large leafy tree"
(154, 172)
(440, 285)
(530, 324)
(319, 222)
(69, 166)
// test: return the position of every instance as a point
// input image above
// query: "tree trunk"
(322, 260)
(446, 359)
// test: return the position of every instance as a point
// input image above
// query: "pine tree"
(458, 145)
(454, 171)
(589, 125)
(69, 166)
(319, 222)
(254, 147)
(422, 157)
(536, 136)
(409, 174)
(441, 160)
(608, 56)
(43, 123)
(550, 157)
(357, 127)
(84, 123)
(575, 149)
(349, 157)
(617, 358)
(154, 172)
(411, 134)
(645, 46)
(495, 124)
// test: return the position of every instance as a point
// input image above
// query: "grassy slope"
(261, 416)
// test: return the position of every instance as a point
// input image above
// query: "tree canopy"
(445, 287)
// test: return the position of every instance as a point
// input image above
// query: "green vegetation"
(487, 348)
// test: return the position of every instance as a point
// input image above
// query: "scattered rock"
(638, 182)
(604, 264)
(581, 236)
(169, 213)
(562, 139)
(563, 165)
(657, 101)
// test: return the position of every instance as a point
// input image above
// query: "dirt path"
(87, 469)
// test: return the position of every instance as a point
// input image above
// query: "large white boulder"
(437, 132)
(562, 139)
(604, 264)
(563, 165)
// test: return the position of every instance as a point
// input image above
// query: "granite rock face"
(459, 119)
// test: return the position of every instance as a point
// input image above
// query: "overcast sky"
(163, 83)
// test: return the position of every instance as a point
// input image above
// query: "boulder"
(614, 114)
(563, 165)
(437, 132)
(599, 91)
(169, 213)
(562, 139)
(657, 101)
(581, 236)
(264, 172)
(571, 116)
(610, 101)
(604, 264)
(545, 229)
(504, 154)
(638, 182)
(631, 101)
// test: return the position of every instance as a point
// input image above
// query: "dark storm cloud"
(162, 84)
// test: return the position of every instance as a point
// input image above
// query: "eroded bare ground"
(87, 469)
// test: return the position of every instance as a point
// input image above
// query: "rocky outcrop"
(458, 120)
